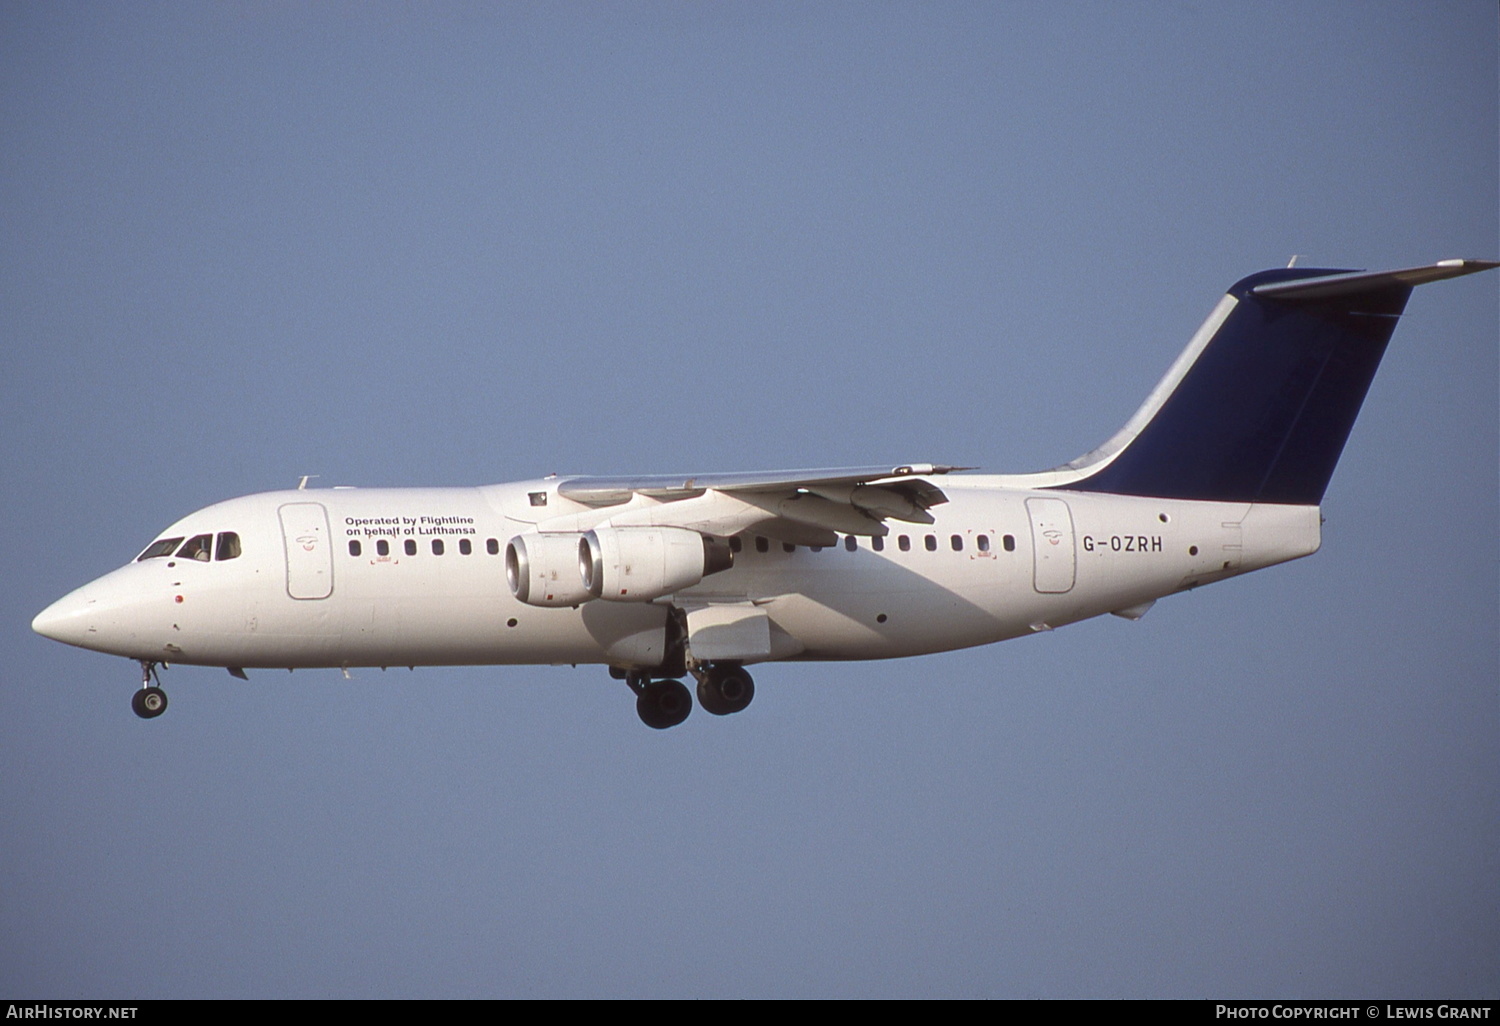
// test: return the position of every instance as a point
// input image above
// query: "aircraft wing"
(798, 506)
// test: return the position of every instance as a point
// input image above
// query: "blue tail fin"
(1260, 405)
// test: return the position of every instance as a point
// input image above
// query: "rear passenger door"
(1053, 556)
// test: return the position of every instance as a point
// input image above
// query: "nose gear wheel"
(149, 701)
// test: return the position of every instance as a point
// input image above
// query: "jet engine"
(542, 569)
(638, 564)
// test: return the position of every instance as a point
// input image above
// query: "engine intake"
(542, 569)
(639, 564)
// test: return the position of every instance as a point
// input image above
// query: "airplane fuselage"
(406, 577)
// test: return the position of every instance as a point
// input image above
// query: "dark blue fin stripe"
(1265, 410)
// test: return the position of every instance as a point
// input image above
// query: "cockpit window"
(161, 547)
(199, 547)
(229, 545)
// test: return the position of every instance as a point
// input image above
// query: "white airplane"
(1219, 472)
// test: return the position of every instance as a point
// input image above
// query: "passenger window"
(492, 546)
(354, 548)
(411, 546)
(931, 542)
(382, 547)
(735, 544)
(1010, 542)
(984, 543)
(165, 547)
(437, 546)
(957, 542)
(198, 547)
(229, 545)
(903, 543)
(877, 543)
(762, 544)
(789, 547)
(464, 548)
(851, 543)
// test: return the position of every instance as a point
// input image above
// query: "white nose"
(69, 619)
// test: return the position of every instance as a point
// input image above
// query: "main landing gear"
(660, 703)
(150, 701)
(722, 689)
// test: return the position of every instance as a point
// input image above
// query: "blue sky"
(454, 244)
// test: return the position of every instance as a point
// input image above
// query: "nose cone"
(120, 613)
(68, 620)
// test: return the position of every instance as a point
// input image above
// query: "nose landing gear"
(150, 701)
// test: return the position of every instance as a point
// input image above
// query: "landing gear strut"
(660, 703)
(150, 701)
(724, 688)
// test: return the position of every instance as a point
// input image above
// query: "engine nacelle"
(542, 569)
(638, 564)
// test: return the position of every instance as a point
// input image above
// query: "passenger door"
(309, 550)
(1053, 557)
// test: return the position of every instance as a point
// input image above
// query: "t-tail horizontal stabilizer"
(1260, 404)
